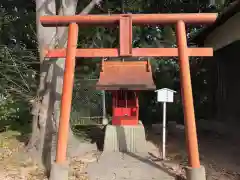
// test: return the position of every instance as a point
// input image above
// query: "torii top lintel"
(125, 23)
(137, 19)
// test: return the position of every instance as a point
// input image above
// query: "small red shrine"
(124, 79)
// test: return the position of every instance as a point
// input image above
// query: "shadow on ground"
(212, 146)
(95, 134)
(92, 133)
(219, 153)
(147, 160)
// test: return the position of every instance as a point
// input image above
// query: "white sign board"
(165, 95)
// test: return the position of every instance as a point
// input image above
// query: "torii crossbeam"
(125, 23)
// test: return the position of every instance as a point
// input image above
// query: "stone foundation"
(125, 139)
(59, 171)
(196, 173)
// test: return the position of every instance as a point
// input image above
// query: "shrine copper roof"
(129, 75)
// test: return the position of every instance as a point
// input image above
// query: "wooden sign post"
(164, 95)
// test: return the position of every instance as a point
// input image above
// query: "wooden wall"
(227, 83)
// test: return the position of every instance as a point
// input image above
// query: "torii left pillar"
(59, 169)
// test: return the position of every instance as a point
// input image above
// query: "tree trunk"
(46, 108)
(41, 107)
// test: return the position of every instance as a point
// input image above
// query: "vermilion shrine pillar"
(195, 171)
(187, 97)
(59, 169)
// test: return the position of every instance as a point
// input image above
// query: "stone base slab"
(196, 173)
(125, 139)
(59, 171)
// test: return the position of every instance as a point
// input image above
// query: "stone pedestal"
(125, 139)
(196, 173)
(59, 171)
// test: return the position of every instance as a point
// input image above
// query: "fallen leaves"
(15, 163)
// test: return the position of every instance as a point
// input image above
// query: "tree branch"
(90, 6)
(63, 41)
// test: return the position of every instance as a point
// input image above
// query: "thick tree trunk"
(46, 108)
(41, 107)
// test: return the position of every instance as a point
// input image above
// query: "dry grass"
(15, 164)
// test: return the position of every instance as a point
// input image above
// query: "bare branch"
(63, 40)
(90, 6)
(45, 6)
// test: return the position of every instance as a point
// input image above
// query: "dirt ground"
(15, 163)
(219, 154)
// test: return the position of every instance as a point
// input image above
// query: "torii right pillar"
(194, 171)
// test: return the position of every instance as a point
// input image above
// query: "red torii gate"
(125, 22)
